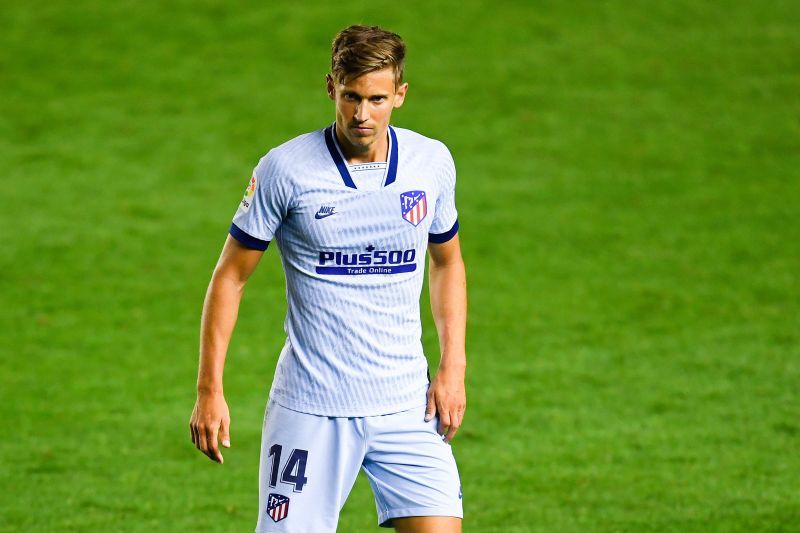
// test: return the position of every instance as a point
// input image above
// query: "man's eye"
(378, 99)
(351, 97)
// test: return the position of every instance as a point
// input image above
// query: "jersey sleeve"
(445, 220)
(263, 207)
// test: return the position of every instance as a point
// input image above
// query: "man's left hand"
(447, 397)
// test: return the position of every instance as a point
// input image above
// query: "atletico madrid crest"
(277, 507)
(414, 206)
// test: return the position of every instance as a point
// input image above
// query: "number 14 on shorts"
(294, 471)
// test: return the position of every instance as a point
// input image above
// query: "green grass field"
(628, 194)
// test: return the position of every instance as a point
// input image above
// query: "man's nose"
(361, 113)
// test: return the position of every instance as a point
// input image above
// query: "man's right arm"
(210, 419)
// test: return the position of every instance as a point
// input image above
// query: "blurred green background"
(628, 194)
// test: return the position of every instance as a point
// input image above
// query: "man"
(353, 208)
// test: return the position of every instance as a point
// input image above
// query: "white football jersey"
(353, 241)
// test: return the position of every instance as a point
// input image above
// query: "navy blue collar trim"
(392, 160)
(341, 166)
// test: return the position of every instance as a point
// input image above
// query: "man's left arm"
(448, 287)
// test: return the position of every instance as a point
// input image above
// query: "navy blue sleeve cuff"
(439, 238)
(246, 239)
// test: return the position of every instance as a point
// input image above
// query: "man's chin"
(361, 140)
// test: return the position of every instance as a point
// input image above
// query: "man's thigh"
(308, 466)
(411, 469)
(427, 524)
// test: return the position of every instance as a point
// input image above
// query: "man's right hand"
(210, 421)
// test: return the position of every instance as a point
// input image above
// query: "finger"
(213, 448)
(202, 439)
(193, 431)
(451, 431)
(430, 409)
(225, 432)
(451, 434)
(444, 422)
(199, 439)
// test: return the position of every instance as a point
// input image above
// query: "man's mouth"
(361, 130)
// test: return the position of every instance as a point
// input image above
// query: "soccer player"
(353, 208)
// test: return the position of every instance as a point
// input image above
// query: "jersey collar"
(341, 166)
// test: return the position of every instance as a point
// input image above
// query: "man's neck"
(377, 151)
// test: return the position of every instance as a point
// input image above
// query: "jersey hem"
(312, 409)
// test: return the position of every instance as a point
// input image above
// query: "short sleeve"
(263, 207)
(445, 220)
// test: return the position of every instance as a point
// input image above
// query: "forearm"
(448, 291)
(220, 310)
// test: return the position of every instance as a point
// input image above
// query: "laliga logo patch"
(413, 206)
(277, 507)
(249, 192)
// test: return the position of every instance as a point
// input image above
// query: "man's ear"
(400, 95)
(331, 86)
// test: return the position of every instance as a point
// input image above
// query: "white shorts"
(309, 464)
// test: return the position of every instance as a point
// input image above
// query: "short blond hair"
(358, 50)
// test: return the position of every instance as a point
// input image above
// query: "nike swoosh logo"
(324, 215)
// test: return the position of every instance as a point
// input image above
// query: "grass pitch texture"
(628, 194)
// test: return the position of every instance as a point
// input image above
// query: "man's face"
(364, 106)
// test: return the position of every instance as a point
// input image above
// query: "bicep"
(237, 262)
(445, 253)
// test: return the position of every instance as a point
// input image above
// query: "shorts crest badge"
(413, 206)
(277, 507)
